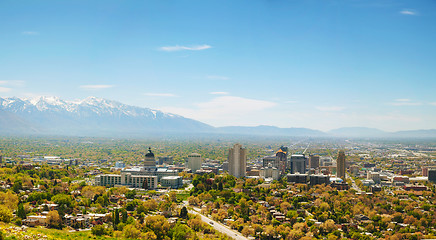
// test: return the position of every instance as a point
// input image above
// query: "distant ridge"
(364, 132)
(357, 132)
(271, 130)
(101, 117)
(429, 133)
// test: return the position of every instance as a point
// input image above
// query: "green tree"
(116, 218)
(98, 230)
(124, 215)
(53, 219)
(184, 212)
(131, 232)
(181, 232)
(130, 206)
(130, 194)
(18, 185)
(21, 213)
(5, 214)
(65, 203)
(158, 224)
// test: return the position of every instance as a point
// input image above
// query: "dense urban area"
(222, 188)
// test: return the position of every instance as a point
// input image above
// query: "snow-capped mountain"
(101, 117)
(92, 115)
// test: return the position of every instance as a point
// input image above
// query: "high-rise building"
(266, 161)
(340, 165)
(313, 161)
(282, 159)
(194, 162)
(432, 175)
(298, 163)
(225, 166)
(424, 170)
(237, 161)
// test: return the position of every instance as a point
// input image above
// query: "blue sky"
(315, 64)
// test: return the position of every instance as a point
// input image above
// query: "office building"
(340, 165)
(127, 179)
(270, 160)
(173, 182)
(237, 159)
(194, 162)
(282, 159)
(313, 161)
(319, 179)
(424, 170)
(297, 178)
(298, 163)
(225, 166)
(375, 176)
(326, 161)
(269, 172)
(432, 175)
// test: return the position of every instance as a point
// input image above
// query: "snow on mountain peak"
(97, 105)
(52, 100)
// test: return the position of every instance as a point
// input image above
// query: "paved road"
(353, 184)
(218, 226)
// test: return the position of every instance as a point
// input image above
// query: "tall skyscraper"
(340, 165)
(313, 161)
(282, 159)
(194, 162)
(237, 161)
(298, 163)
(432, 175)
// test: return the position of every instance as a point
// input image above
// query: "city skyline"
(320, 65)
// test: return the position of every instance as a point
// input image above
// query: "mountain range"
(91, 116)
(101, 117)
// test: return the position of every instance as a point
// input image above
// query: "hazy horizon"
(311, 64)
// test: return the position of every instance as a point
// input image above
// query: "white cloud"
(408, 12)
(15, 83)
(215, 77)
(30, 33)
(219, 93)
(226, 110)
(5, 89)
(433, 103)
(95, 87)
(159, 94)
(10, 83)
(181, 48)
(330, 108)
(404, 102)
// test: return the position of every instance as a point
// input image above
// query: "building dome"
(149, 160)
(149, 154)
